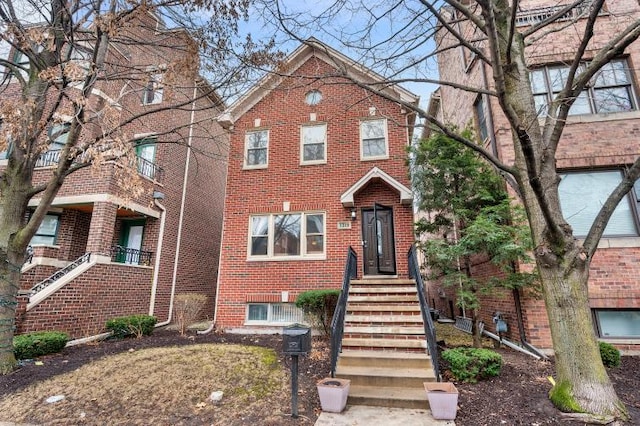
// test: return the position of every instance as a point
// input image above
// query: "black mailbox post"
(296, 340)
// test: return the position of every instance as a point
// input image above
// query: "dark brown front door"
(378, 241)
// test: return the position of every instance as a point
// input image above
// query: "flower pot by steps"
(333, 394)
(443, 399)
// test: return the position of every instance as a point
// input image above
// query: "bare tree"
(75, 72)
(402, 40)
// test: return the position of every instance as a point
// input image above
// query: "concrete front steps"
(383, 347)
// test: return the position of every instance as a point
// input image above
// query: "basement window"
(617, 323)
(273, 313)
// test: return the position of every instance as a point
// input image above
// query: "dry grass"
(454, 337)
(158, 386)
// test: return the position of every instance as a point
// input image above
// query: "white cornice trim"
(98, 198)
(347, 198)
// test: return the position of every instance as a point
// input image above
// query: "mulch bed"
(517, 397)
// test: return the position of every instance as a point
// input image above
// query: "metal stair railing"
(429, 329)
(59, 274)
(337, 323)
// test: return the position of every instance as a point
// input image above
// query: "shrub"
(319, 306)
(131, 325)
(610, 355)
(186, 308)
(473, 364)
(33, 345)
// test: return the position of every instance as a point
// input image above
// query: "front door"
(378, 241)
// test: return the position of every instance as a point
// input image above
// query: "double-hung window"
(256, 149)
(582, 195)
(610, 90)
(314, 144)
(373, 139)
(286, 235)
(47, 233)
(153, 90)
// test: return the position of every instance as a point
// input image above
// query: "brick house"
(590, 161)
(100, 253)
(316, 165)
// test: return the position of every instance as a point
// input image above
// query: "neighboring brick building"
(599, 140)
(132, 256)
(314, 159)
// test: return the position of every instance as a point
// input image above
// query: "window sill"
(619, 242)
(313, 163)
(260, 167)
(268, 323)
(382, 157)
(595, 118)
(620, 340)
(286, 259)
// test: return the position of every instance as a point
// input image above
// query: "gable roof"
(311, 48)
(406, 196)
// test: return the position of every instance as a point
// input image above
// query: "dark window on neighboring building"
(480, 112)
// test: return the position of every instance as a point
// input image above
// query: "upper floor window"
(610, 90)
(373, 139)
(314, 144)
(47, 233)
(481, 119)
(58, 135)
(286, 235)
(582, 195)
(152, 93)
(256, 147)
(146, 157)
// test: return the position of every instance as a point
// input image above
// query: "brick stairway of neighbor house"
(384, 348)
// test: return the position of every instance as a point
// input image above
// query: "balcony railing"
(537, 15)
(145, 167)
(49, 158)
(149, 169)
(131, 256)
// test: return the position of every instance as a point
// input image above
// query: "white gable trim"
(310, 48)
(406, 196)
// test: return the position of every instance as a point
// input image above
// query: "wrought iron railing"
(59, 274)
(130, 256)
(337, 323)
(149, 169)
(539, 14)
(49, 158)
(429, 329)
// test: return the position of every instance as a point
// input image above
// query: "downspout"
(182, 204)
(156, 269)
(523, 337)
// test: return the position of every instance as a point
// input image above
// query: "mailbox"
(296, 339)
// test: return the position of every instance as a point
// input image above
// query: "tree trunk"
(582, 383)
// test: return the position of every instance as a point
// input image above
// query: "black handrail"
(337, 323)
(131, 256)
(59, 274)
(429, 329)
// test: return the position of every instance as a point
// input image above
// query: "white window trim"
(386, 140)
(246, 150)
(303, 238)
(311, 162)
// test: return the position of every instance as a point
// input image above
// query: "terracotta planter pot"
(443, 399)
(333, 394)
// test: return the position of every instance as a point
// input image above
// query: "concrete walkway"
(363, 415)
